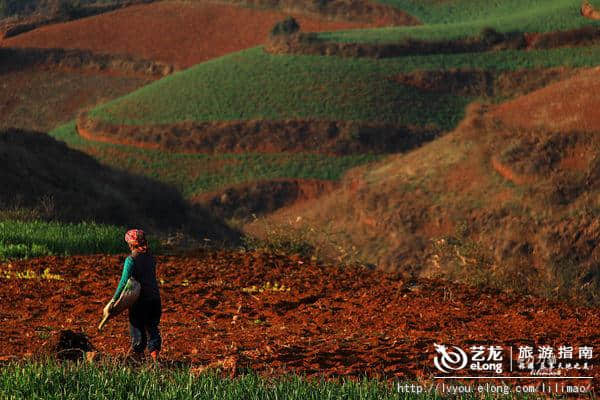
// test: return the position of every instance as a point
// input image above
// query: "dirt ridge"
(480, 82)
(12, 59)
(313, 136)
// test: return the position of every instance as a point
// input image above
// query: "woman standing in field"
(144, 314)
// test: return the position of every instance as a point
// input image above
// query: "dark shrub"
(70, 9)
(286, 27)
(321, 3)
(16, 7)
(490, 36)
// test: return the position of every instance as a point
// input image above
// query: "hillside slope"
(60, 183)
(497, 201)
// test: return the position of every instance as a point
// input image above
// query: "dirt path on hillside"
(223, 308)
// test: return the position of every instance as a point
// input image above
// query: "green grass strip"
(51, 381)
(37, 238)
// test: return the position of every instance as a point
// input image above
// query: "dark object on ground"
(69, 345)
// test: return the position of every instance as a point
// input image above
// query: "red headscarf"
(136, 239)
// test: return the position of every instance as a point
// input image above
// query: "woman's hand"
(109, 307)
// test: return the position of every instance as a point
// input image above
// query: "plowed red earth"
(333, 321)
(182, 34)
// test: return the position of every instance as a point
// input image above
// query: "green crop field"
(463, 18)
(36, 238)
(87, 381)
(254, 85)
(194, 174)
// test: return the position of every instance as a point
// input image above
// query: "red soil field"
(56, 95)
(182, 34)
(348, 321)
(568, 105)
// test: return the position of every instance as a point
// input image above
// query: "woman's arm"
(127, 270)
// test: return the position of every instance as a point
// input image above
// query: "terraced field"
(463, 18)
(179, 33)
(263, 86)
(57, 96)
(306, 88)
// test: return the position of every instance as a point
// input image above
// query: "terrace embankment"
(484, 83)
(488, 40)
(330, 137)
(57, 13)
(16, 59)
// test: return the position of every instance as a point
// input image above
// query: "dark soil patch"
(327, 137)
(68, 345)
(244, 202)
(585, 36)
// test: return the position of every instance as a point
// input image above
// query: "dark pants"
(144, 317)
